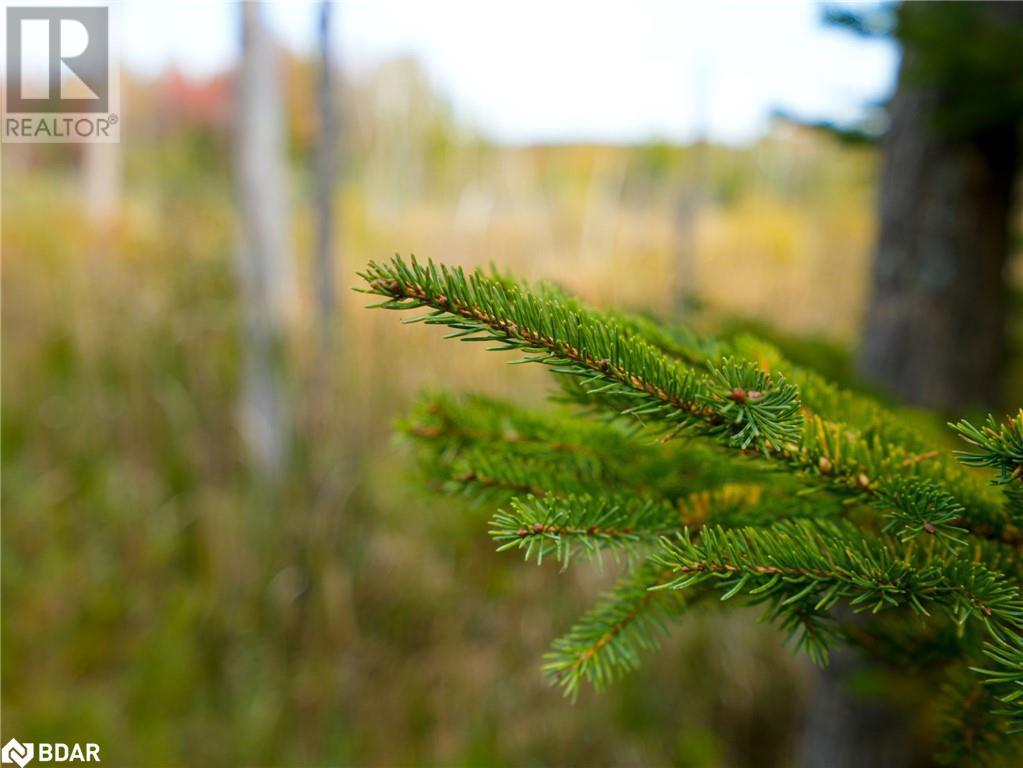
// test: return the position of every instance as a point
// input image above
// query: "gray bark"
(934, 332)
(101, 181)
(326, 174)
(843, 730)
(264, 266)
(690, 203)
(935, 325)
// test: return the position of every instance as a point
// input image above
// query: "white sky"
(526, 70)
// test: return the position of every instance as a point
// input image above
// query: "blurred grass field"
(162, 600)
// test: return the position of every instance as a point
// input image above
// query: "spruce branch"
(971, 734)
(587, 525)
(915, 643)
(488, 467)
(804, 568)
(590, 525)
(866, 466)
(735, 402)
(914, 506)
(1014, 503)
(1005, 650)
(579, 342)
(860, 464)
(440, 419)
(490, 451)
(754, 411)
(997, 446)
(611, 637)
(460, 433)
(810, 472)
(850, 443)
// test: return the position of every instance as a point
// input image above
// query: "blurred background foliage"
(166, 601)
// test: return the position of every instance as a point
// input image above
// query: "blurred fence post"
(264, 265)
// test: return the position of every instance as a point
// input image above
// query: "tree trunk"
(689, 205)
(843, 730)
(264, 266)
(325, 177)
(101, 181)
(935, 324)
(934, 333)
